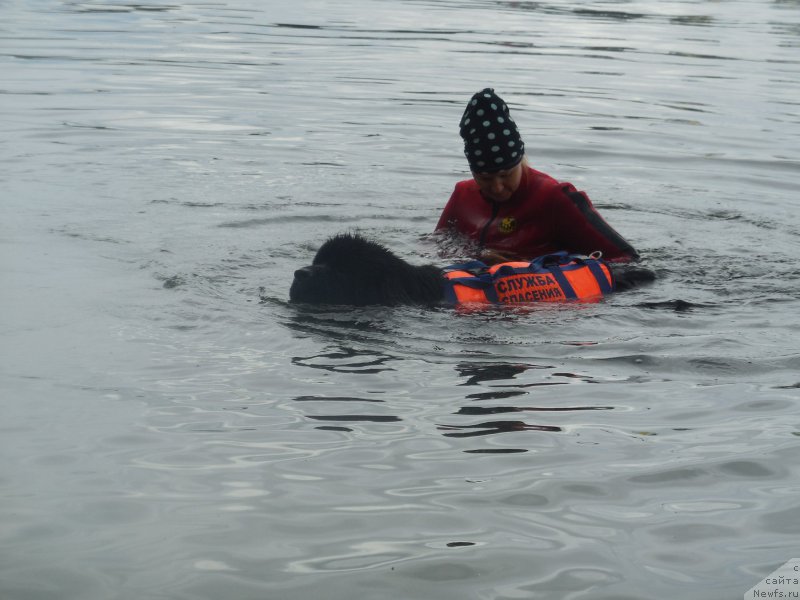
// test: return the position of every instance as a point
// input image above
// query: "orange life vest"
(551, 278)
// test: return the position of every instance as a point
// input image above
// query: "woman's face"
(499, 186)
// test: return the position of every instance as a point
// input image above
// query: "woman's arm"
(581, 228)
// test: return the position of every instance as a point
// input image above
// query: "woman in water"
(513, 211)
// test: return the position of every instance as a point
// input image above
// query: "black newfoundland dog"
(350, 269)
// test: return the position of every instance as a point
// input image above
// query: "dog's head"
(349, 269)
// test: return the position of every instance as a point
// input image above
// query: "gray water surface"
(173, 429)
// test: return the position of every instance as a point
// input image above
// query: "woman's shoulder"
(467, 187)
(467, 184)
(542, 185)
(540, 178)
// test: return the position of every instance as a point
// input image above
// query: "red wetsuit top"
(542, 216)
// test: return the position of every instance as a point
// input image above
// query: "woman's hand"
(493, 257)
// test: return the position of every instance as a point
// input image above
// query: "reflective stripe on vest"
(551, 278)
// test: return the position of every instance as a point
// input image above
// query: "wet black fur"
(349, 269)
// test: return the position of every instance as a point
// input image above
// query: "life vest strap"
(482, 282)
(563, 282)
(600, 276)
(450, 292)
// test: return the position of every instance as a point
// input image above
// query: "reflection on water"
(478, 410)
(478, 373)
(173, 428)
(492, 427)
(345, 360)
(344, 409)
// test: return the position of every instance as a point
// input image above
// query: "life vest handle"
(475, 267)
(554, 258)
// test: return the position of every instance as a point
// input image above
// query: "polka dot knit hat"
(491, 139)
